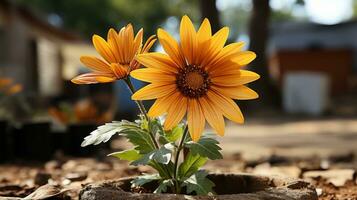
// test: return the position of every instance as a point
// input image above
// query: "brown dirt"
(18, 179)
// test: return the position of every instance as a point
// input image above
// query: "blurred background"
(307, 59)
(303, 125)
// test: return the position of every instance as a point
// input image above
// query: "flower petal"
(138, 42)
(111, 38)
(153, 91)
(244, 58)
(153, 75)
(204, 32)
(213, 115)
(91, 78)
(162, 104)
(120, 43)
(176, 112)
(148, 44)
(171, 47)
(224, 69)
(240, 78)
(195, 119)
(95, 64)
(240, 92)
(226, 53)
(157, 61)
(119, 70)
(103, 48)
(128, 43)
(203, 38)
(216, 44)
(228, 107)
(188, 39)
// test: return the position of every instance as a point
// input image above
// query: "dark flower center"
(193, 81)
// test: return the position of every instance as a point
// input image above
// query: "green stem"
(139, 103)
(142, 109)
(180, 147)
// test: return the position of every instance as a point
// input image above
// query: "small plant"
(198, 78)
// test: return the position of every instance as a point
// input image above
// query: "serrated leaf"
(102, 133)
(165, 171)
(162, 155)
(191, 165)
(198, 183)
(174, 134)
(129, 155)
(205, 147)
(144, 160)
(140, 139)
(156, 127)
(146, 178)
(163, 186)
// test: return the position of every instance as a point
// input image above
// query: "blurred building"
(305, 46)
(313, 63)
(32, 50)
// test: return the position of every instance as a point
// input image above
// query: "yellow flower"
(198, 76)
(118, 52)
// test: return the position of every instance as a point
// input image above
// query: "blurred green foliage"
(97, 16)
(89, 17)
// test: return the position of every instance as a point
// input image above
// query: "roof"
(293, 26)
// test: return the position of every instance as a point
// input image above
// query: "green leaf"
(205, 147)
(162, 155)
(174, 134)
(165, 171)
(144, 124)
(129, 155)
(163, 140)
(134, 132)
(156, 127)
(140, 139)
(144, 160)
(163, 186)
(198, 183)
(191, 165)
(103, 133)
(146, 178)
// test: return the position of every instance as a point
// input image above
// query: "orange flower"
(14, 89)
(118, 52)
(4, 82)
(198, 76)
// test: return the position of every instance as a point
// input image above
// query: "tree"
(90, 17)
(259, 34)
(209, 10)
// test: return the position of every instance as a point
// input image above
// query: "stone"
(41, 178)
(46, 192)
(338, 177)
(78, 176)
(228, 187)
(266, 169)
(319, 191)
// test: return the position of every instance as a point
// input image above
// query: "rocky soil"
(334, 178)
